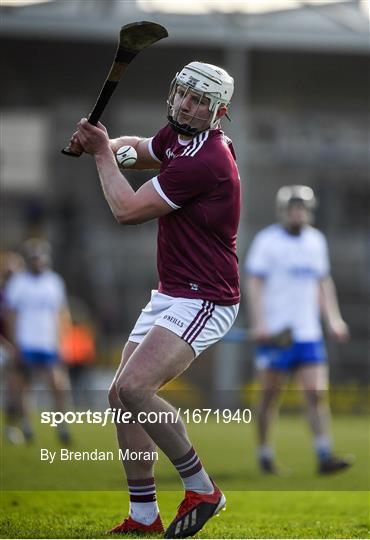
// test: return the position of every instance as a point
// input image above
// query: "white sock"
(265, 452)
(145, 513)
(322, 446)
(193, 474)
(143, 500)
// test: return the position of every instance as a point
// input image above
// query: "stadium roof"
(290, 24)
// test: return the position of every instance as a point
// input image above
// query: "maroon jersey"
(197, 242)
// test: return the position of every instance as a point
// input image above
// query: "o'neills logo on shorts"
(173, 320)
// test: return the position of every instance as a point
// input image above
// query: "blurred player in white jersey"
(36, 314)
(196, 198)
(288, 286)
(10, 264)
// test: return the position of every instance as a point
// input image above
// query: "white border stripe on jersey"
(193, 147)
(196, 145)
(151, 151)
(190, 146)
(160, 192)
(204, 138)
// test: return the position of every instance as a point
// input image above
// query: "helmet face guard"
(205, 81)
(173, 113)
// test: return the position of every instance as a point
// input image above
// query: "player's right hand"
(73, 139)
(338, 330)
(93, 139)
(103, 128)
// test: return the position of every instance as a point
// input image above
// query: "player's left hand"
(339, 330)
(94, 139)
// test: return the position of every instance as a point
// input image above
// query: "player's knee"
(315, 397)
(131, 394)
(269, 398)
(113, 398)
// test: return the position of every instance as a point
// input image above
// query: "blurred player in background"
(196, 197)
(36, 314)
(289, 286)
(11, 263)
(78, 353)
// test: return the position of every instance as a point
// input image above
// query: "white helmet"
(290, 194)
(209, 81)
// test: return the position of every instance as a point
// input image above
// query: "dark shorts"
(39, 358)
(288, 358)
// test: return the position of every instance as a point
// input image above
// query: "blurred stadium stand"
(300, 115)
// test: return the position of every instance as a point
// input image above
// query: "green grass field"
(82, 499)
(248, 514)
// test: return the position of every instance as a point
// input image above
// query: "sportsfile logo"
(109, 416)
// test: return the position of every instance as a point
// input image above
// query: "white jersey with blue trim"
(292, 266)
(37, 300)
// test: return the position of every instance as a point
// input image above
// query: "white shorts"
(200, 323)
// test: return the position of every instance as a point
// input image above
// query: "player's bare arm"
(330, 310)
(10, 322)
(10, 341)
(254, 287)
(64, 321)
(128, 207)
(141, 145)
